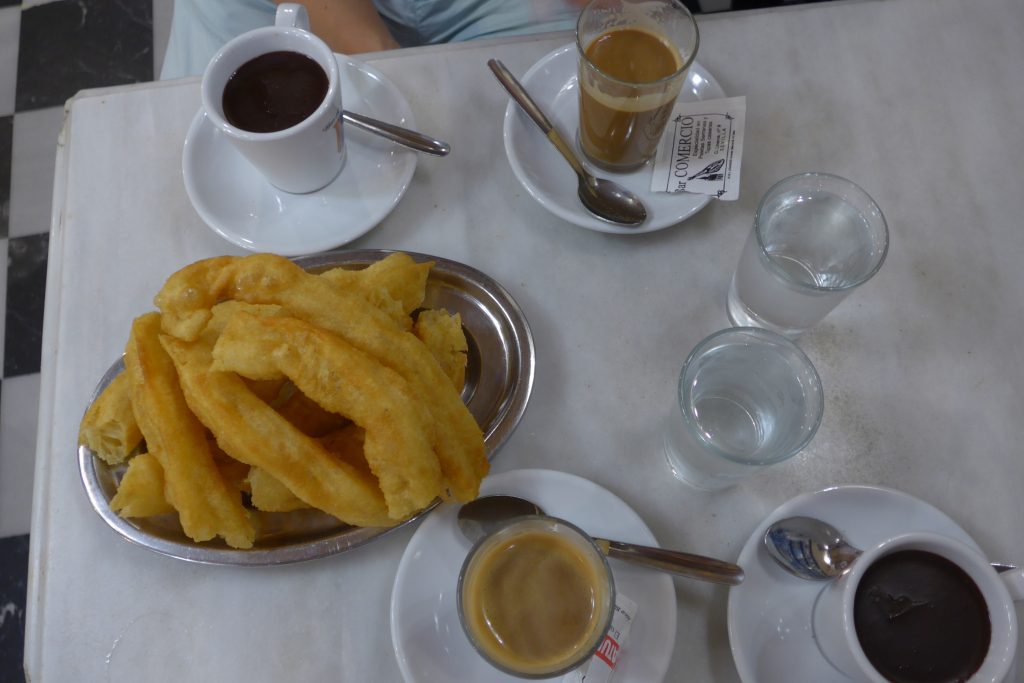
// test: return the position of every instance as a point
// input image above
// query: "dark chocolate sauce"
(921, 619)
(274, 91)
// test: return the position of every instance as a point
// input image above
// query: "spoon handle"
(674, 562)
(403, 136)
(519, 94)
(533, 110)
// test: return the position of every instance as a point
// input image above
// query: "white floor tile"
(32, 163)
(19, 407)
(10, 25)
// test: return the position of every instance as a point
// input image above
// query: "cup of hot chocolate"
(275, 93)
(920, 607)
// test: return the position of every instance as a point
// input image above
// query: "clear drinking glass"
(633, 60)
(816, 238)
(747, 398)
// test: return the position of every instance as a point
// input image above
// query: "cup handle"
(292, 15)
(1014, 580)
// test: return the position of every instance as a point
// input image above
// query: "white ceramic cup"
(310, 154)
(836, 634)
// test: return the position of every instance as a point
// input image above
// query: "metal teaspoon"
(811, 549)
(480, 516)
(403, 136)
(603, 198)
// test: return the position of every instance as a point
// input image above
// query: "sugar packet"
(701, 149)
(601, 666)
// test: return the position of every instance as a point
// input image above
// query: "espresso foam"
(589, 81)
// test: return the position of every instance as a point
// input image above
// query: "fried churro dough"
(109, 428)
(250, 431)
(141, 491)
(348, 444)
(206, 506)
(346, 381)
(395, 278)
(442, 334)
(309, 417)
(187, 296)
(270, 495)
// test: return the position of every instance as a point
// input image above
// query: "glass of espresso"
(536, 597)
(633, 59)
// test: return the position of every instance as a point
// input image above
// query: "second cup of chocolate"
(634, 56)
(920, 607)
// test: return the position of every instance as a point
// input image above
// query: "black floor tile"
(73, 44)
(759, 4)
(26, 291)
(6, 149)
(13, 577)
(9, 3)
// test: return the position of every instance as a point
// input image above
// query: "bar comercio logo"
(609, 651)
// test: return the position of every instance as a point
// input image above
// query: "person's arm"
(349, 26)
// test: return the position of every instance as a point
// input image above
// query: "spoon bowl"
(811, 549)
(610, 201)
(480, 517)
(604, 198)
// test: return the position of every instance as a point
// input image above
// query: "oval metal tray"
(499, 379)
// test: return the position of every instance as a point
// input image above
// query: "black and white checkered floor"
(49, 50)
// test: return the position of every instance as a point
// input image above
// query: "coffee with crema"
(622, 117)
(534, 601)
(274, 91)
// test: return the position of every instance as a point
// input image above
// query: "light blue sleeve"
(425, 22)
(201, 27)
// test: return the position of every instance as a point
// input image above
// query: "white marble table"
(919, 101)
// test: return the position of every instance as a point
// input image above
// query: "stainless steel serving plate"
(499, 378)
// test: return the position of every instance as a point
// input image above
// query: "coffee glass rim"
(971, 562)
(780, 272)
(687, 63)
(213, 110)
(683, 390)
(589, 542)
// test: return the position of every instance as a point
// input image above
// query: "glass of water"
(747, 398)
(816, 237)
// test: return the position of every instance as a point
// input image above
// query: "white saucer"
(553, 83)
(428, 639)
(238, 203)
(770, 612)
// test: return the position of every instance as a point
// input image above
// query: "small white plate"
(238, 203)
(425, 630)
(770, 612)
(553, 83)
